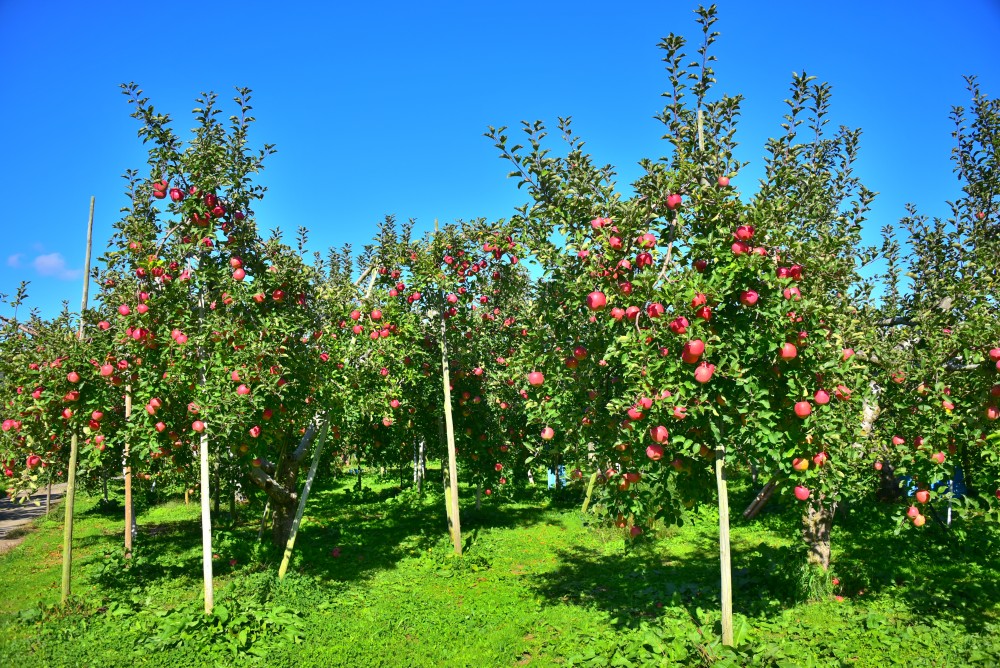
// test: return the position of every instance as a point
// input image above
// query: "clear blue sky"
(380, 108)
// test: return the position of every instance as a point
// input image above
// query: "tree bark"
(816, 525)
(763, 496)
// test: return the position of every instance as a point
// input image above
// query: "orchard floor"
(373, 584)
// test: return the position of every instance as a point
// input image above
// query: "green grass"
(540, 585)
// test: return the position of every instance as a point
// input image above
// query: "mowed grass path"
(374, 584)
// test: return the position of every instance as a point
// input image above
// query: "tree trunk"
(816, 525)
(479, 496)
(889, 489)
(293, 530)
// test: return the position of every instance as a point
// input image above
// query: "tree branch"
(272, 488)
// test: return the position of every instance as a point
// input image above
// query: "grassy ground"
(374, 584)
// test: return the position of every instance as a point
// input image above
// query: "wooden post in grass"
(74, 450)
(205, 480)
(449, 428)
(724, 556)
(302, 503)
(127, 472)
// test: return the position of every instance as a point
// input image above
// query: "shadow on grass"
(950, 571)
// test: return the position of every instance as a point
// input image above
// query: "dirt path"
(16, 517)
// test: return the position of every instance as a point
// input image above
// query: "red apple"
(198, 426)
(749, 297)
(802, 493)
(535, 378)
(923, 496)
(800, 464)
(822, 397)
(704, 372)
(659, 434)
(654, 452)
(788, 351)
(803, 409)
(548, 433)
(673, 201)
(723, 181)
(596, 300)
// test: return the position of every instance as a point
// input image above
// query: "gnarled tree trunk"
(279, 482)
(816, 525)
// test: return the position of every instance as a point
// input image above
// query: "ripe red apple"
(802, 493)
(124, 309)
(938, 457)
(919, 520)
(820, 458)
(160, 426)
(535, 378)
(800, 464)
(749, 297)
(73, 377)
(723, 181)
(744, 233)
(242, 390)
(992, 412)
(923, 496)
(700, 266)
(878, 466)
(792, 293)
(695, 347)
(740, 248)
(803, 409)
(847, 354)
(659, 434)
(704, 372)
(995, 354)
(548, 433)
(596, 300)
(176, 194)
(898, 440)
(198, 426)
(788, 351)
(673, 201)
(822, 397)
(34, 461)
(654, 452)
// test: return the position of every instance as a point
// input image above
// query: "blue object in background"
(552, 477)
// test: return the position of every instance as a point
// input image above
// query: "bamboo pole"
(302, 503)
(724, 554)
(74, 449)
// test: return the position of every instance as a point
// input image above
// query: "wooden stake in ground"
(67, 564)
(206, 500)
(127, 471)
(455, 524)
(724, 556)
(302, 502)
